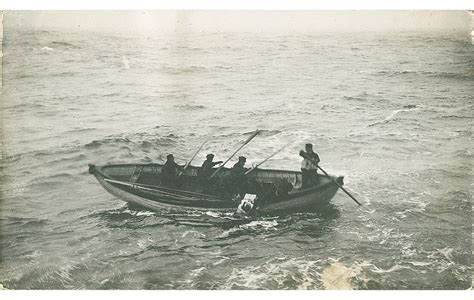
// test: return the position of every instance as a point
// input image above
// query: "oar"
(189, 162)
(304, 155)
(245, 143)
(265, 160)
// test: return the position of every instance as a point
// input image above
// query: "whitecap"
(220, 261)
(388, 118)
(197, 272)
(194, 233)
(303, 272)
(375, 269)
(420, 263)
(212, 214)
(408, 251)
(389, 270)
(142, 243)
(145, 213)
(447, 253)
(392, 115)
(260, 224)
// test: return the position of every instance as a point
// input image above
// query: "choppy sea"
(392, 112)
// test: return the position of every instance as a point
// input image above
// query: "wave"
(21, 76)
(98, 143)
(61, 43)
(189, 107)
(450, 75)
(360, 97)
(373, 268)
(247, 225)
(269, 132)
(182, 47)
(224, 221)
(63, 74)
(276, 273)
(26, 105)
(223, 67)
(46, 184)
(431, 74)
(356, 98)
(456, 117)
(22, 222)
(111, 95)
(183, 70)
(56, 277)
(394, 113)
(395, 73)
(47, 48)
(387, 119)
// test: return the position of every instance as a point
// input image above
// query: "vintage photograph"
(236, 150)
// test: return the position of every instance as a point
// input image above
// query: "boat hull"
(157, 198)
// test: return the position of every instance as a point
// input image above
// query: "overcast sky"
(302, 21)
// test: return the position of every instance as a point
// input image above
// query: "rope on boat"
(158, 190)
(154, 187)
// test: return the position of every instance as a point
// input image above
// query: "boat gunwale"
(295, 193)
(195, 167)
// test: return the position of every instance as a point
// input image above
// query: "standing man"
(309, 166)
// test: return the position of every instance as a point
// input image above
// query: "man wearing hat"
(238, 169)
(206, 170)
(309, 169)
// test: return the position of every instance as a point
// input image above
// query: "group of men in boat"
(237, 183)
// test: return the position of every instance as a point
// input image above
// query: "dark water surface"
(391, 112)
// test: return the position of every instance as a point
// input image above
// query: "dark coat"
(169, 173)
(238, 170)
(206, 169)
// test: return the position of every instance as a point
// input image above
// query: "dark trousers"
(310, 177)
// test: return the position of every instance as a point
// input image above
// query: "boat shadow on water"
(132, 216)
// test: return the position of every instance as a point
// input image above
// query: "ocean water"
(392, 112)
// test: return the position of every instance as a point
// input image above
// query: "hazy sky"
(305, 21)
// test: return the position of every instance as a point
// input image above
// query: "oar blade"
(252, 136)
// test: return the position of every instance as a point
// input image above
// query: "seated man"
(238, 169)
(309, 166)
(237, 180)
(206, 171)
(169, 172)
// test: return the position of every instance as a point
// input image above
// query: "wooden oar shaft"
(265, 160)
(235, 152)
(340, 186)
(329, 176)
(189, 162)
